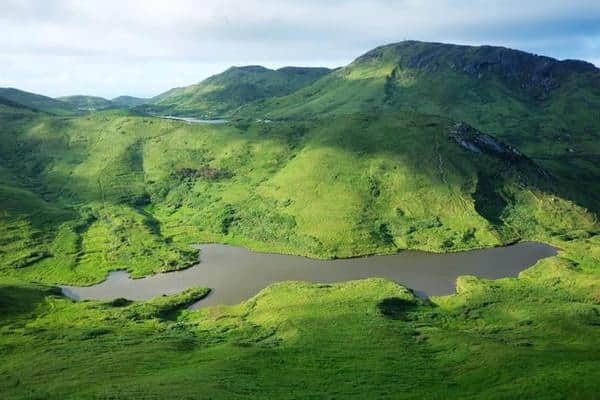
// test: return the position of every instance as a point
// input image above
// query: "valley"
(414, 147)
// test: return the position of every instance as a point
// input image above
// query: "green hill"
(129, 101)
(87, 103)
(224, 94)
(36, 101)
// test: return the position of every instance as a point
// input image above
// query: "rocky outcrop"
(478, 142)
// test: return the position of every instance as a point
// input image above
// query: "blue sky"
(142, 48)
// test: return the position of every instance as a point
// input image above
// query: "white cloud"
(144, 47)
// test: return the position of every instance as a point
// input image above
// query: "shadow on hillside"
(396, 308)
(16, 299)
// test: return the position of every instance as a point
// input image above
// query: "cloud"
(60, 47)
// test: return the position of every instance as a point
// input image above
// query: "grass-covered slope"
(129, 101)
(457, 81)
(85, 195)
(82, 196)
(36, 101)
(87, 103)
(224, 94)
(545, 107)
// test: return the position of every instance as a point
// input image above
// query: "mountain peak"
(474, 60)
(248, 68)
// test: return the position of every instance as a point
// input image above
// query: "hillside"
(129, 101)
(87, 103)
(223, 94)
(36, 101)
(445, 79)
(108, 189)
(545, 107)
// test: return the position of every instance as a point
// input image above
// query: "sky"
(142, 48)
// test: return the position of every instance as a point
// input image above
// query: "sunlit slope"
(225, 93)
(114, 190)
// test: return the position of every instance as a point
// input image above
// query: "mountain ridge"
(223, 93)
(36, 101)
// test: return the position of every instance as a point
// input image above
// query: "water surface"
(191, 120)
(235, 274)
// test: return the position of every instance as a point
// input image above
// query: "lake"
(190, 120)
(235, 274)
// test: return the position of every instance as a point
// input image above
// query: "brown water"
(235, 274)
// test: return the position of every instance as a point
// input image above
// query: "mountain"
(444, 79)
(87, 103)
(129, 101)
(545, 107)
(36, 101)
(225, 93)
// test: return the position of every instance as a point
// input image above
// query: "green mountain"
(87, 103)
(224, 94)
(544, 107)
(457, 81)
(129, 101)
(412, 146)
(36, 101)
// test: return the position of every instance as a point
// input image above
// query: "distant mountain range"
(66, 105)
(435, 78)
(34, 101)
